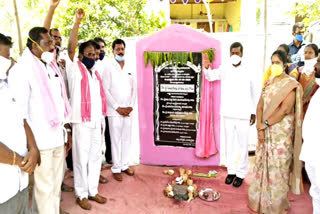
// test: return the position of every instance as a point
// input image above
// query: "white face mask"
(4, 66)
(47, 57)
(309, 66)
(235, 59)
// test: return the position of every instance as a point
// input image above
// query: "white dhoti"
(313, 170)
(120, 134)
(86, 155)
(237, 137)
(47, 181)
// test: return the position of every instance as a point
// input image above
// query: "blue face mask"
(119, 58)
(88, 62)
(101, 56)
(299, 37)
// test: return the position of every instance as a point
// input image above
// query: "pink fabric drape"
(205, 142)
(86, 97)
(48, 102)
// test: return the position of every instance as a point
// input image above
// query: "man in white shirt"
(311, 145)
(238, 105)
(89, 104)
(102, 62)
(120, 87)
(39, 90)
(18, 151)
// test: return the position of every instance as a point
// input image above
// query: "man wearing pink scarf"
(40, 92)
(89, 106)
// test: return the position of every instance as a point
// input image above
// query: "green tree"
(108, 19)
(308, 10)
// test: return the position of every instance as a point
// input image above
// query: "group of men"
(54, 99)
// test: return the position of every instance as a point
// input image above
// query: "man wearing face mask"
(99, 67)
(19, 154)
(103, 62)
(89, 106)
(120, 87)
(237, 109)
(311, 146)
(297, 44)
(41, 95)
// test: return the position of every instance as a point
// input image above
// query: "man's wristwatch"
(266, 123)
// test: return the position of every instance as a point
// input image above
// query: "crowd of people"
(286, 121)
(54, 99)
(64, 109)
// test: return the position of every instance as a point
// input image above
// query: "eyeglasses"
(57, 37)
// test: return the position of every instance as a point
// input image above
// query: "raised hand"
(80, 14)
(54, 3)
(206, 61)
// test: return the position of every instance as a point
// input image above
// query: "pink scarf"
(40, 75)
(85, 95)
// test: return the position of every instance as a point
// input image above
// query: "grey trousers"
(18, 204)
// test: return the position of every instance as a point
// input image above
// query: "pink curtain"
(205, 143)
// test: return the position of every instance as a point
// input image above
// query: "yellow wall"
(230, 11)
(233, 14)
(192, 11)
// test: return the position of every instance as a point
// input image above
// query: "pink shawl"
(85, 95)
(42, 80)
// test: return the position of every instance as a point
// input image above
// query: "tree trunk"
(18, 26)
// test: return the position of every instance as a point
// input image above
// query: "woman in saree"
(307, 75)
(279, 117)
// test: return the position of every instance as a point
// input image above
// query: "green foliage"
(108, 19)
(210, 53)
(158, 58)
(306, 9)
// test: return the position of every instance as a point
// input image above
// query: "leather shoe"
(237, 182)
(84, 203)
(103, 180)
(229, 179)
(129, 172)
(117, 176)
(98, 198)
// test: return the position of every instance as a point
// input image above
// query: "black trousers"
(108, 154)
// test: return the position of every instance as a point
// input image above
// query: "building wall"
(192, 11)
(233, 14)
(230, 11)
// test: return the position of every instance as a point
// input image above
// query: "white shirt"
(74, 81)
(12, 134)
(26, 91)
(120, 87)
(100, 65)
(238, 90)
(310, 131)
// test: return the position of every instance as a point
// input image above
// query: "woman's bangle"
(14, 158)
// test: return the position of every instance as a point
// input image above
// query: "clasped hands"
(125, 112)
